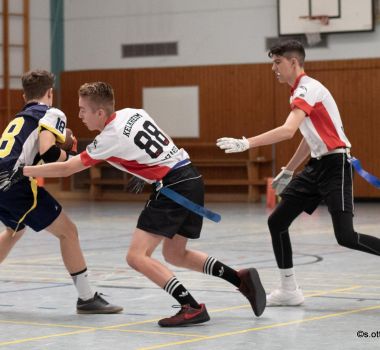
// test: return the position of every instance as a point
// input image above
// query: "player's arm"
(61, 169)
(302, 152)
(52, 130)
(48, 149)
(283, 132)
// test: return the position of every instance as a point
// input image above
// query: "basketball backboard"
(344, 15)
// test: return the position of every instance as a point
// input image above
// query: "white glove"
(231, 145)
(281, 180)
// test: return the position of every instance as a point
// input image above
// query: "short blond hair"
(100, 95)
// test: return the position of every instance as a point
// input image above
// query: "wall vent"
(146, 50)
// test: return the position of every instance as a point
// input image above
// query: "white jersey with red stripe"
(132, 142)
(322, 127)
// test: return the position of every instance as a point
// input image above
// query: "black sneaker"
(186, 316)
(253, 290)
(97, 305)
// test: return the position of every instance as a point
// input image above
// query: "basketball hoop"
(312, 27)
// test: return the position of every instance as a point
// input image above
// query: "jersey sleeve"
(54, 120)
(305, 97)
(104, 146)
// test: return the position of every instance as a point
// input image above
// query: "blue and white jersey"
(19, 141)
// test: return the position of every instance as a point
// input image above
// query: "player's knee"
(277, 225)
(273, 224)
(132, 260)
(344, 230)
(345, 240)
(71, 231)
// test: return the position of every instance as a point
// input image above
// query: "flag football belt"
(372, 179)
(335, 151)
(187, 203)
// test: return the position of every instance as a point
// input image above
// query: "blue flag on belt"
(372, 179)
(190, 205)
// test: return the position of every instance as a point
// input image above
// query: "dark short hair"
(100, 94)
(36, 83)
(288, 49)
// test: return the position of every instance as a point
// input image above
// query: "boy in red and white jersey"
(322, 128)
(131, 141)
(153, 153)
(327, 176)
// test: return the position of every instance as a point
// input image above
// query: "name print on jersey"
(172, 152)
(129, 124)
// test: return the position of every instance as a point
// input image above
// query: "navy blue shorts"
(19, 199)
(162, 216)
(328, 179)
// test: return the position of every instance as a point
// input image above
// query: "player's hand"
(231, 145)
(10, 177)
(74, 147)
(281, 180)
(135, 185)
(71, 143)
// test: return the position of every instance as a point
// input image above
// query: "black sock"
(216, 268)
(176, 289)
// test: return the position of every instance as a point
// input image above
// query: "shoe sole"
(269, 304)
(284, 305)
(259, 295)
(111, 311)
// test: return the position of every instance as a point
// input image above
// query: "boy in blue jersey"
(29, 138)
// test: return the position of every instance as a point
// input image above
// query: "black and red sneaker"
(253, 290)
(186, 316)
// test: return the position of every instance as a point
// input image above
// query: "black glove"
(10, 177)
(135, 185)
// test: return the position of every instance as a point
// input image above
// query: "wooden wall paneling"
(354, 88)
(284, 149)
(121, 80)
(237, 100)
(227, 94)
(17, 103)
(354, 85)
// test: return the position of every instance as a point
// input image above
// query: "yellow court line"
(339, 290)
(155, 332)
(28, 279)
(107, 328)
(131, 324)
(199, 337)
(45, 324)
(275, 325)
(45, 337)
(27, 261)
(363, 293)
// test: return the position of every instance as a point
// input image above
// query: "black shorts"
(19, 199)
(328, 179)
(164, 217)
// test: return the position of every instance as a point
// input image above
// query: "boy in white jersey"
(327, 176)
(29, 138)
(130, 140)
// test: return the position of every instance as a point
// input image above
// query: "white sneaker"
(283, 297)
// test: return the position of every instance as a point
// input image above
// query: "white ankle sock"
(82, 285)
(288, 279)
